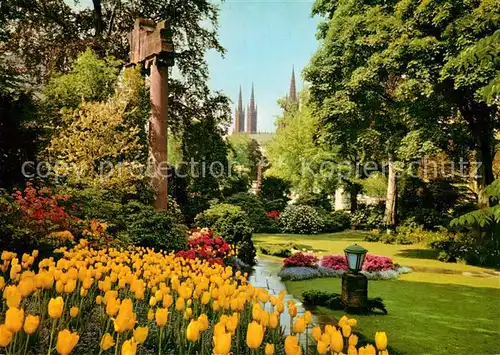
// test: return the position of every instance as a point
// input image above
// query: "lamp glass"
(355, 256)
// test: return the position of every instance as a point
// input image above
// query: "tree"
(45, 37)
(113, 153)
(385, 69)
(295, 157)
(244, 151)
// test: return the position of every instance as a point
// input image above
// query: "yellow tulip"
(308, 317)
(73, 312)
(351, 350)
(353, 340)
(292, 346)
(222, 343)
(56, 306)
(346, 330)
(193, 331)
(31, 324)
(205, 298)
(203, 320)
(255, 335)
(70, 286)
(322, 347)
(292, 310)
(129, 347)
(140, 334)
(336, 341)
(161, 317)
(370, 350)
(316, 333)
(13, 296)
(384, 352)
(299, 326)
(381, 340)
(151, 315)
(107, 342)
(352, 322)
(167, 300)
(179, 304)
(5, 336)
(273, 321)
(126, 318)
(269, 350)
(112, 306)
(343, 321)
(152, 301)
(66, 341)
(14, 319)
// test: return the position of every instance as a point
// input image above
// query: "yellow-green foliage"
(103, 143)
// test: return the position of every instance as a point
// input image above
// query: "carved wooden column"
(151, 45)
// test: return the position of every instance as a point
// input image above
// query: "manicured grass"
(417, 256)
(426, 318)
(436, 309)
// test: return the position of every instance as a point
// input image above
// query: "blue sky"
(263, 39)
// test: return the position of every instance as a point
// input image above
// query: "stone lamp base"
(355, 292)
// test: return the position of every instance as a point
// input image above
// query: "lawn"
(437, 310)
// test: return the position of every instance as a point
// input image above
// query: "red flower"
(301, 259)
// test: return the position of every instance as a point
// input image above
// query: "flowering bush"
(305, 266)
(42, 210)
(377, 263)
(301, 219)
(301, 259)
(203, 245)
(144, 301)
(336, 262)
(273, 214)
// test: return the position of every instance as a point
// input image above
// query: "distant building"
(252, 114)
(251, 110)
(239, 116)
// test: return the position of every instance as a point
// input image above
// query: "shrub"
(301, 259)
(253, 208)
(205, 246)
(274, 193)
(231, 223)
(372, 263)
(368, 217)
(282, 251)
(315, 200)
(408, 233)
(300, 219)
(149, 228)
(377, 263)
(334, 221)
(336, 262)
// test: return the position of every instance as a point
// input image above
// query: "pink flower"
(301, 259)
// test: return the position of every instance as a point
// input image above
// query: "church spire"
(252, 99)
(240, 101)
(293, 90)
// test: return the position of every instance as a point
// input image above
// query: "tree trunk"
(390, 217)
(353, 194)
(99, 23)
(480, 119)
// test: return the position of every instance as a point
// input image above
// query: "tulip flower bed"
(104, 301)
(307, 266)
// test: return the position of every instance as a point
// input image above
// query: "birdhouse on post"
(151, 45)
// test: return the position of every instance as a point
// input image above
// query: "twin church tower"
(251, 122)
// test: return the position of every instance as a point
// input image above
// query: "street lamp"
(354, 284)
(355, 256)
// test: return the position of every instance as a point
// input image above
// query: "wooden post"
(151, 45)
